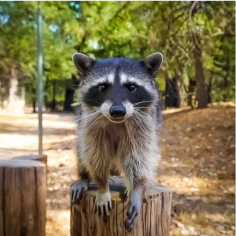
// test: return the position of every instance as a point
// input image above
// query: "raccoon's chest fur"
(118, 140)
(113, 139)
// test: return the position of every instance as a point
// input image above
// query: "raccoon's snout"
(117, 111)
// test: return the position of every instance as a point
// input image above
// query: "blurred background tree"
(196, 38)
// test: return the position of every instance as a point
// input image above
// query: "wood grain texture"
(154, 218)
(22, 198)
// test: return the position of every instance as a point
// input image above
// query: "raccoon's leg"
(134, 205)
(103, 199)
(136, 185)
(80, 186)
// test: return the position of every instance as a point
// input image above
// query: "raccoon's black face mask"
(117, 86)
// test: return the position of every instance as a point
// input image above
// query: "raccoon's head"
(117, 86)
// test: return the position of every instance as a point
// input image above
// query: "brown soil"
(198, 164)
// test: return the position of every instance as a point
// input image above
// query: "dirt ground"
(198, 164)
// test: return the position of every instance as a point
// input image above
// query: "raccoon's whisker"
(164, 130)
(143, 102)
(143, 121)
(144, 118)
(89, 119)
(137, 121)
(84, 117)
(89, 112)
(144, 114)
(99, 116)
(93, 119)
(147, 107)
(93, 123)
(90, 115)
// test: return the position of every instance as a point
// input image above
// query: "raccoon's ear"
(153, 62)
(82, 62)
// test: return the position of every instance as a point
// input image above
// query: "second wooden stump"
(154, 219)
(22, 198)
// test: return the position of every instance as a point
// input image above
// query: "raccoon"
(118, 124)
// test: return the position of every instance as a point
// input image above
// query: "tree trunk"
(226, 82)
(202, 96)
(54, 95)
(191, 90)
(16, 99)
(154, 218)
(209, 89)
(168, 94)
(22, 198)
(172, 98)
(34, 106)
(72, 85)
(180, 89)
(68, 99)
(176, 87)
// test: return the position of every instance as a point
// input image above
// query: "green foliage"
(133, 29)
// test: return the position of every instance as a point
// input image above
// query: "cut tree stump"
(22, 198)
(34, 157)
(154, 218)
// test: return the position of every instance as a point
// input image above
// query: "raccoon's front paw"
(132, 214)
(77, 190)
(103, 203)
(133, 211)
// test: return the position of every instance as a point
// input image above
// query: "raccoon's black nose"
(117, 111)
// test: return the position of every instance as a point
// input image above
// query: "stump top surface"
(117, 185)
(31, 156)
(15, 163)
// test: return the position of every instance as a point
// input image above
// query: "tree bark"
(69, 94)
(180, 86)
(22, 198)
(16, 99)
(202, 96)
(68, 99)
(154, 218)
(172, 98)
(54, 95)
(34, 106)
(209, 89)
(226, 82)
(191, 91)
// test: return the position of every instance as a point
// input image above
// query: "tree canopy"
(183, 31)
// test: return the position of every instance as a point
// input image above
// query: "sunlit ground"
(197, 164)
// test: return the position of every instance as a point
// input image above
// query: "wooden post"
(154, 219)
(34, 157)
(22, 198)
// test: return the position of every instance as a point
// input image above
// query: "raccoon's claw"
(132, 214)
(103, 204)
(133, 211)
(77, 190)
(103, 210)
(124, 195)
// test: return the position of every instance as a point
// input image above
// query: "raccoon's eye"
(102, 88)
(132, 88)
